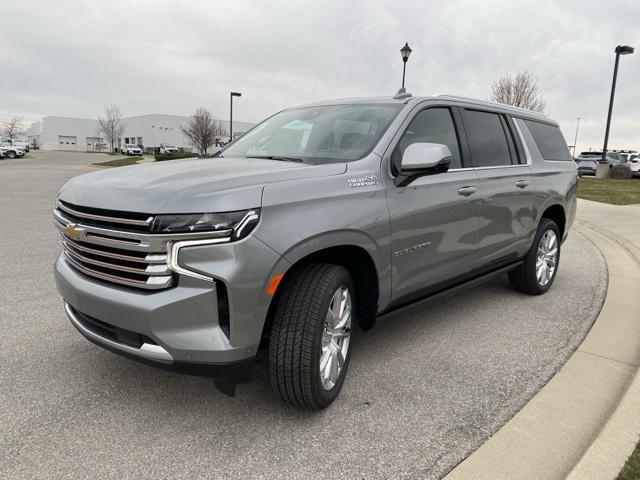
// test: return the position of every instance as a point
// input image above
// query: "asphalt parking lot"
(424, 390)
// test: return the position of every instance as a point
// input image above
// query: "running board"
(450, 290)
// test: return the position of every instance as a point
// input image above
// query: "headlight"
(239, 223)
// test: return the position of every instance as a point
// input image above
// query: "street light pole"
(405, 52)
(231, 95)
(620, 50)
(575, 140)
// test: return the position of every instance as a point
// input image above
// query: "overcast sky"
(70, 58)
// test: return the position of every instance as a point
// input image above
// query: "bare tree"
(12, 128)
(111, 125)
(202, 130)
(520, 90)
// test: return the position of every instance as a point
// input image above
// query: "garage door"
(67, 143)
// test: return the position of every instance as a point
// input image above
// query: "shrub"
(160, 157)
(620, 172)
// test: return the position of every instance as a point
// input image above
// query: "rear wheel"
(536, 275)
(309, 348)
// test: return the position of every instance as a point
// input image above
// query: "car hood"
(188, 186)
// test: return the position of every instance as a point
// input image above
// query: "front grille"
(148, 271)
(119, 247)
(113, 246)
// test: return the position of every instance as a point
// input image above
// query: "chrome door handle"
(466, 191)
(522, 183)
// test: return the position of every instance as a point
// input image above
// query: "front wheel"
(309, 348)
(536, 275)
(11, 154)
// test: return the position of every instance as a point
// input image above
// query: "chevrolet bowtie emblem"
(73, 231)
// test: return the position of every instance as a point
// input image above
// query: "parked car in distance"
(131, 149)
(634, 164)
(11, 151)
(587, 163)
(318, 219)
(165, 148)
(617, 158)
(16, 143)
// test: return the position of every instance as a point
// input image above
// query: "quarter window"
(433, 125)
(550, 141)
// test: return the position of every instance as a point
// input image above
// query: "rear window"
(550, 141)
(487, 139)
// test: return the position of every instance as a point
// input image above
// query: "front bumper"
(239, 371)
(181, 323)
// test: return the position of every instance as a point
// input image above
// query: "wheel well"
(363, 272)
(556, 213)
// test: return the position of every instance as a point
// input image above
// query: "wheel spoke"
(334, 367)
(339, 359)
(335, 307)
(540, 273)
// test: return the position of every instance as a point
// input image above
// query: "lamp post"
(575, 139)
(405, 52)
(620, 50)
(231, 95)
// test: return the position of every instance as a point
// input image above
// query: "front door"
(434, 219)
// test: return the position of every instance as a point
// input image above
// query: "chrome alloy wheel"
(335, 337)
(547, 257)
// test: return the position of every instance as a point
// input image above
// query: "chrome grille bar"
(149, 270)
(148, 242)
(148, 258)
(153, 283)
(103, 218)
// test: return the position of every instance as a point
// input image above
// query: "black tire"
(11, 154)
(296, 335)
(524, 277)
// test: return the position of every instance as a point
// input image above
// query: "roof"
(523, 112)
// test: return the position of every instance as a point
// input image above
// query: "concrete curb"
(607, 454)
(584, 421)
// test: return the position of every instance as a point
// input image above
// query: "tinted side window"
(433, 125)
(550, 141)
(487, 139)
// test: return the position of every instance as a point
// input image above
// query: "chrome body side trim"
(527, 154)
(148, 351)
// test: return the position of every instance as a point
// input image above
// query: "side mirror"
(420, 159)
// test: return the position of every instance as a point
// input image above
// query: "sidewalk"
(586, 421)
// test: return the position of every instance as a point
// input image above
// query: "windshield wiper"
(277, 157)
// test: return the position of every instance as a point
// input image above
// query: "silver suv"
(318, 218)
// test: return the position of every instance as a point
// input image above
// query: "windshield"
(317, 134)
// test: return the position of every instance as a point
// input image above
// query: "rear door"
(434, 219)
(505, 186)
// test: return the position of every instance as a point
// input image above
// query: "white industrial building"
(81, 134)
